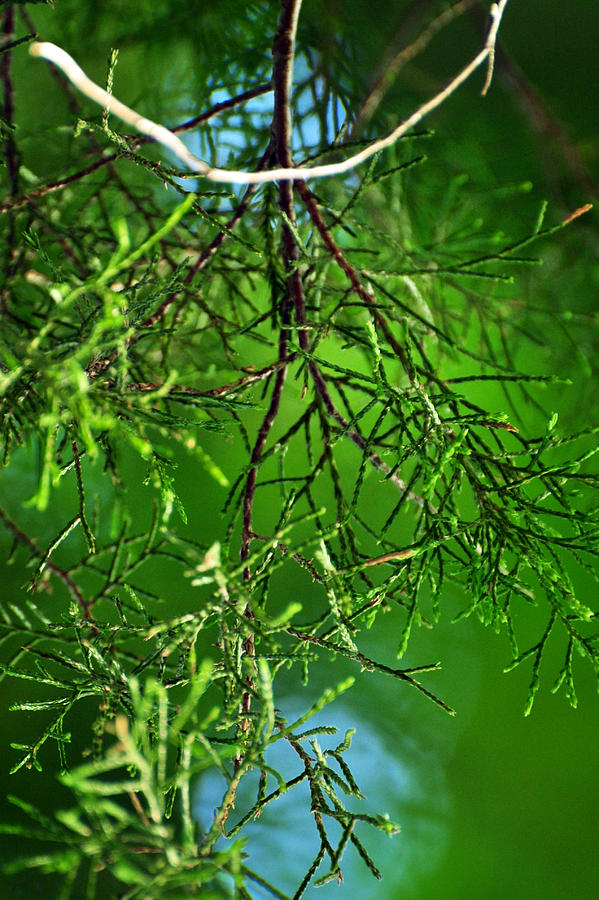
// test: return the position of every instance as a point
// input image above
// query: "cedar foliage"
(334, 356)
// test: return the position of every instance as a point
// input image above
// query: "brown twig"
(283, 54)
(18, 202)
(362, 292)
(144, 387)
(10, 147)
(8, 108)
(358, 288)
(52, 567)
(96, 367)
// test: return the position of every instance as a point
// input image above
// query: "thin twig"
(222, 390)
(106, 160)
(97, 366)
(12, 164)
(60, 573)
(57, 185)
(10, 146)
(392, 68)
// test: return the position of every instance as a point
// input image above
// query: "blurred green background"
(492, 805)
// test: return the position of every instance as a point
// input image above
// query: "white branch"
(159, 133)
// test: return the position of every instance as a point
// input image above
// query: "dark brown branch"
(238, 99)
(8, 108)
(10, 147)
(283, 55)
(9, 205)
(291, 251)
(344, 264)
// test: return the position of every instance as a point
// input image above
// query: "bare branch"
(166, 137)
